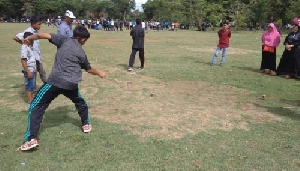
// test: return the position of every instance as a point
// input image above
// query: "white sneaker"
(87, 128)
(129, 69)
(29, 145)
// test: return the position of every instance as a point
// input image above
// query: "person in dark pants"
(289, 62)
(66, 73)
(138, 35)
(270, 40)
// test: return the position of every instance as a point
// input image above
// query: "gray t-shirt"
(138, 35)
(70, 59)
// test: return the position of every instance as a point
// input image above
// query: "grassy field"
(198, 118)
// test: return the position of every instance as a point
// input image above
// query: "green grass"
(172, 58)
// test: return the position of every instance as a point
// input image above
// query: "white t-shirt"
(36, 44)
(143, 24)
(27, 53)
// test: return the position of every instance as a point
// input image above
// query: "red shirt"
(224, 36)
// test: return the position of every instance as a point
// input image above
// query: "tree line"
(81, 8)
(239, 12)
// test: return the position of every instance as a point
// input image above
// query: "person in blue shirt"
(65, 28)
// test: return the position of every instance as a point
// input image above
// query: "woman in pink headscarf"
(270, 40)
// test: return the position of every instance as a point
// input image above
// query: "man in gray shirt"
(66, 73)
(65, 28)
(138, 35)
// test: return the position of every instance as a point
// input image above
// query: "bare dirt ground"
(165, 110)
(168, 110)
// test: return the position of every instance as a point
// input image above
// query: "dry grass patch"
(163, 110)
(176, 108)
(209, 49)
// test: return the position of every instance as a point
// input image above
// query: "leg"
(224, 52)
(80, 104)
(40, 69)
(273, 63)
(142, 57)
(37, 109)
(215, 55)
(132, 57)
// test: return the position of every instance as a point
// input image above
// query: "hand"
(29, 74)
(288, 47)
(102, 74)
(25, 41)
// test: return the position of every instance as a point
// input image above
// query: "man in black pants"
(138, 34)
(66, 73)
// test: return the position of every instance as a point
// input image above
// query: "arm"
(24, 64)
(39, 36)
(17, 39)
(229, 34)
(94, 71)
(86, 66)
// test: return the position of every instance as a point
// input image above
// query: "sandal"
(272, 73)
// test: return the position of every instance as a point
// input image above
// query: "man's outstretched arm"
(38, 36)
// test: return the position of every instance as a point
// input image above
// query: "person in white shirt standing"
(143, 25)
(36, 23)
(28, 67)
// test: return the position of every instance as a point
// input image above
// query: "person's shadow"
(248, 69)
(285, 111)
(21, 91)
(58, 116)
(125, 66)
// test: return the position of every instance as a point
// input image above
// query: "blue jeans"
(30, 83)
(224, 52)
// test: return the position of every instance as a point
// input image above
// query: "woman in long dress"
(270, 40)
(289, 63)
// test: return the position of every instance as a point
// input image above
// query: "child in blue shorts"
(28, 66)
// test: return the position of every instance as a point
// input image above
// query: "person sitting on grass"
(28, 66)
(66, 73)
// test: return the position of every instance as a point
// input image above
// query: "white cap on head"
(69, 14)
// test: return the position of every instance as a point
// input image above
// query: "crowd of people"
(70, 59)
(289, 64)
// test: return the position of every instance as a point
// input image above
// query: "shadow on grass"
(125, 66)
(284, 111)
(21, 91)
(58, 116)
(23, 95)
(248, 69)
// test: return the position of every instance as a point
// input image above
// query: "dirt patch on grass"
(175, 109)
(210, 49)
(163, 110)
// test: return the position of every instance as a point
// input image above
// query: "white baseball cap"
(69, 14)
